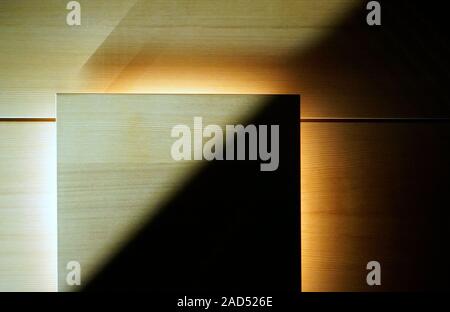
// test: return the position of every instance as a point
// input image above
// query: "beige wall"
(286, 46)
(126, 46)
(27, 206)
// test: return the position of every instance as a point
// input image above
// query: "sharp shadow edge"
(232, 228)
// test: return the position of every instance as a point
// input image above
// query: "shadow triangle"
(231, 228)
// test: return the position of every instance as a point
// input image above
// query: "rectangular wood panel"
(374, 191)
(27, 207)
(115, 168)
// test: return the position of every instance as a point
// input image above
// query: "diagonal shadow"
(397, 70)
(400, 69)
(232, 227)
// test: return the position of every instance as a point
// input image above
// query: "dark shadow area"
(232, 228)
(398, 69)
(421, 207)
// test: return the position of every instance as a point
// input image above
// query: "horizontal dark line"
(24, 119)
(375, 120)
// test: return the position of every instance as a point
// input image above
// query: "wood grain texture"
(368, 192)
(153, 46)
(115, 167)
(374, 191)
(40, 55)
(320, 49)
(363, 195)
(27, 207)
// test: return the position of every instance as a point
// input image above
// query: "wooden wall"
(27, 206)
(357, 177)
(115, 170)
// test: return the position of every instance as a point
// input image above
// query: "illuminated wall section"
(28, 206)
(320, 49)
(133, 46)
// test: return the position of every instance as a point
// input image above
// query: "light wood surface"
(357, 183)
(359, 193)
(27, 207)
(373, 191)
(321, 49)
(308, 47)
(115, 167)
(160, 46)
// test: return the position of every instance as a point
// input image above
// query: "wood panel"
(40, 55)
(323, 50)
(153, 46)
(365, 187)
(320, 49)
(27, 207)
(374, 191)
(115, 168)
